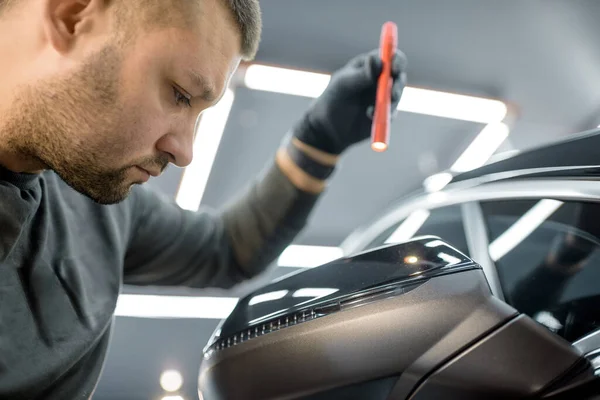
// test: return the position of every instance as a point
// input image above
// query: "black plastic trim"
(576, 150)
(311, 313)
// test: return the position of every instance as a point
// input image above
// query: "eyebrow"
(208, 90)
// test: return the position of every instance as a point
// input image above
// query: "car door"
(537, 240)
(547, 255)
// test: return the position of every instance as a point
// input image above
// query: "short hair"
(245, 13)
(249, 21)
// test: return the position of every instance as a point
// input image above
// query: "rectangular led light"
(314, 292)
(453, 106)
(415, 100)
(522, 228)
(308, 256)
(285, 81)
(409, 227)
(152, 306)
(482, 148)
(209, 132)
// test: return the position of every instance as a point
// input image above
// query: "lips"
(144, 175)
(150, 172)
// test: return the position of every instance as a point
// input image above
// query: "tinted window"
(445, 222)
(383, 236)
(548, 260)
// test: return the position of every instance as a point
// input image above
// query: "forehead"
(205, 52)
(213, 44)
(208, 61)
(212, 37)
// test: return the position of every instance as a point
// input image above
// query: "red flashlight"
(380, 130)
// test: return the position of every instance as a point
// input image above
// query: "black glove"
(342, 115)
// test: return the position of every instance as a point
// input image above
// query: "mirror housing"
(413, 320)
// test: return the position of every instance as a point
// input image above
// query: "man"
(96, 96)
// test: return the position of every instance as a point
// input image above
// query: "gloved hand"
(342, 115)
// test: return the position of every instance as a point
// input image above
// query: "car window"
(445, 222)
(547, 253)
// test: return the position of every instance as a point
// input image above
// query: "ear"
(66, 21)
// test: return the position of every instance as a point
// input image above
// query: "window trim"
(588, 344)
(478, 242)
(574, 190)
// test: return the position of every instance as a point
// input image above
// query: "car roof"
(577, 155)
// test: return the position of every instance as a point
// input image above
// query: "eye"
(180, 98)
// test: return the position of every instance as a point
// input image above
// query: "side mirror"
(415, 320)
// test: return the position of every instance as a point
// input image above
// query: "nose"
(179, 142)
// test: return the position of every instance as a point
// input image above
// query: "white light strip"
(519, 231)
(450, 105)
(308, 256)
(482, 148)
(437, 182)
(262, 298)
(314, 292)
(209, 132)
(415, 100)
(151, 306)
(409, 227)
(285, 81)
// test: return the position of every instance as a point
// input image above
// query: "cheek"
(140, 108)
(145, 110)
(143, 124)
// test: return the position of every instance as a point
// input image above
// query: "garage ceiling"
(543, 56)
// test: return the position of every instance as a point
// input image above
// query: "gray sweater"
(64, 258)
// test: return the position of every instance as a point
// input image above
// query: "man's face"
(129, 108)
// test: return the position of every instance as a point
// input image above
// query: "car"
(532, 221)
(489, 288)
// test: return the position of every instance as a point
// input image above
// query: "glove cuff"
(307, 163)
